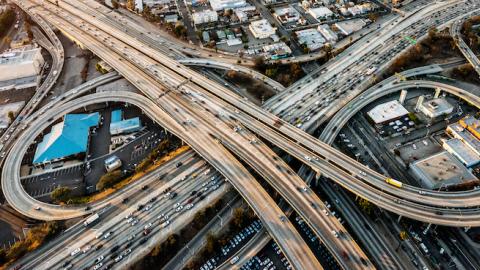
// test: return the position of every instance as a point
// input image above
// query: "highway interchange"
(219, 112)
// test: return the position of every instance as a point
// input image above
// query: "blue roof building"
(67, 138)
(119, 126)
(116, 116)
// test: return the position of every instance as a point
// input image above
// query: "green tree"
(61, 194)
(11, 116)
(366, 206)
(109, 179)
(403, 235)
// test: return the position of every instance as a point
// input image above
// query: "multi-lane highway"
(181, 87)
(294, 189)
(462, 46)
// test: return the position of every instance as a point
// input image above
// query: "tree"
(7, 19)
(115, 4)
(403, 235)
(131, 4)
(3, 256)
(109, 179)
(365, 205)
(11, 116)
(61, 194)
(259, 63)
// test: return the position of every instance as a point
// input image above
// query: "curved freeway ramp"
(462, 46)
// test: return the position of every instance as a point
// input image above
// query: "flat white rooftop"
(387, 111)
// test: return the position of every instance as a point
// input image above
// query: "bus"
(394, 182)
(91, 219)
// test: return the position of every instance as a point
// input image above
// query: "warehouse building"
(442, 170)
(461, 133)
(66, 139)
(386, 112)
(461, 151)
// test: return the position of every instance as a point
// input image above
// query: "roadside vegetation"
(7, 19)
(165, 251)
(437, 45)
(471, 33)
(284, 74)
(35, 237)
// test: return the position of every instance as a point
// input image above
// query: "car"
(178, 164)
(131, 237)
(99, 259)
(149, 225)
(118, 258)
(38, 208)
(98, 247)
(75, 252)
(107, 235)
(86, 248)
(97, 266)
(145, 187)
(127, 251)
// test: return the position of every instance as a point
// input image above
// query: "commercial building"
(349, 27)
(386, 112)
(462, 152)
(320, 13)
(277, 50)
(436, 107)
(472, 124)
(327, 33)
(287, 14)
(118, 125)
(66, 139)
(461, 133)
(311, 38)
(204, 16)
(262, 29)
(442, 170)
(21, 63)
(227, 4)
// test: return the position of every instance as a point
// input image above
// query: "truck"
(394, 182)
(91, 219)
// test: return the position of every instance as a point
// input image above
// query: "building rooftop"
(262, 28)
(67, 138)
(348, 27)
(459, 132)
(437, 107)
(320, 12)
(441, 171)
(466, 155)
(118, 125)
(387, 111)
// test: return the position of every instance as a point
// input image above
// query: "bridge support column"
(403, 95)
(437, 92)
(399, 218)
(466, 229)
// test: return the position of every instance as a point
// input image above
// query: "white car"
(75, 252)
(97, 266)
(107, 235)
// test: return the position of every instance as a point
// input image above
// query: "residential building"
(205, 16)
